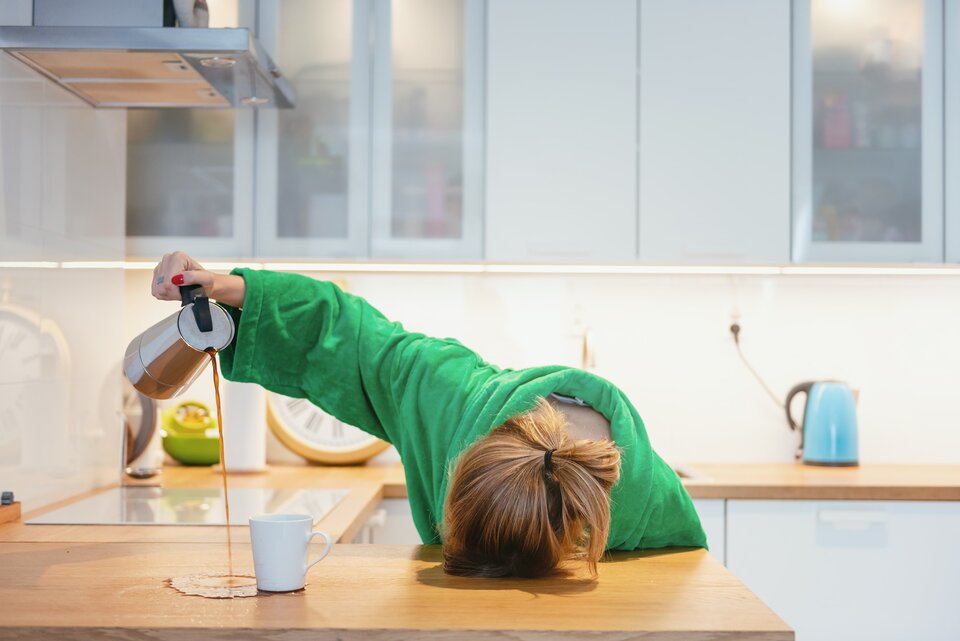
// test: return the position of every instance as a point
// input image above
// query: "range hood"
(153, 66)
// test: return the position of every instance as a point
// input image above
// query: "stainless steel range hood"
(153, 66)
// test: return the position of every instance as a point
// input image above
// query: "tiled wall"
(61, 199)
(665, 341)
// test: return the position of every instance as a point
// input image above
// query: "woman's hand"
(176, 269)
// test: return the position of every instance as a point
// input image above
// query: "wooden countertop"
(370, 484)
(795, 481)
(89, 581)
(117, 590)
(367, 486)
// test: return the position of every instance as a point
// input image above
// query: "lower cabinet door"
(390, 524)
(850, 570)
(712, 514)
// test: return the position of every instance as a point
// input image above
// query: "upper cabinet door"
(190, 172)
(561, 130)
(952, 102)
(868, 130)
(189, 181)
(313, 160)
(714, 131)
(426, 119)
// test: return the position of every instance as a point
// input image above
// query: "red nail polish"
(177, 280)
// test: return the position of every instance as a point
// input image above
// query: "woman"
(515, 471)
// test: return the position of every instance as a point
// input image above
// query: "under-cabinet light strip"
(518, 269)
(28, 264)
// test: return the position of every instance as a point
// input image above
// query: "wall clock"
(317, 436)
(34, 365)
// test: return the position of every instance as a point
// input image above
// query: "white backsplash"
(665, 341)
(62, 185)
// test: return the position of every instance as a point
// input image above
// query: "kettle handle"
(201, 306)
(797, 389)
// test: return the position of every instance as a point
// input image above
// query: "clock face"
(317, 436)
(20, 361)
(21, 349)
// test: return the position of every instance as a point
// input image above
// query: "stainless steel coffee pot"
(165, 359)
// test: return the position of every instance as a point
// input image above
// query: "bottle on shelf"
(837, 123)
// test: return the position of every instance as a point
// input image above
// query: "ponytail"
(527, 497)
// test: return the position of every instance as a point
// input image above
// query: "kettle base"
(832, 463)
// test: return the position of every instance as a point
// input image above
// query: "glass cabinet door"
(313, 167)
(868, 146)
(427, 114)
(190, 171)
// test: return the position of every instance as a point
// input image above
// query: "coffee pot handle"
(201, 305)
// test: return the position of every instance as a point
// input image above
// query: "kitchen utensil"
(188, 418)
(166, 358)
(192, 450)
(828, 430)
(140, 421)
(281, 543)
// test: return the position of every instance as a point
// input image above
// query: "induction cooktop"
(139, 505)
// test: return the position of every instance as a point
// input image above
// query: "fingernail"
(177, 280)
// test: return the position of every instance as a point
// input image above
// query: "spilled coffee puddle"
(215, 586)
(221, 586)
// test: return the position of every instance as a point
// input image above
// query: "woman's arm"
(308, 338)
(177, 268)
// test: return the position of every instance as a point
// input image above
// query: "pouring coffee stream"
(163, 361)
(223, 462)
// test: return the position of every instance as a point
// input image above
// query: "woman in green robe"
(514, 471)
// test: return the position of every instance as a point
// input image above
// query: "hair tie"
(548, 459)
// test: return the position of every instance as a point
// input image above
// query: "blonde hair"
(510, 513)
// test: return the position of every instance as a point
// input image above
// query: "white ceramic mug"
(281, 543)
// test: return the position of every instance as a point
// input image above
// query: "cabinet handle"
(852, 519)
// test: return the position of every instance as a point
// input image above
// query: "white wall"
(665, 341)
(61, 199)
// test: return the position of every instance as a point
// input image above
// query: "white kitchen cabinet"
(313, 160)
(712, 513)
(189, 182)
(952, 134)
(427, 124)
(561, 131)
(190, 172)
(868, 131)
(390, 524)
(16, 12)
(714, 170)
(851, 570)
(382, 155)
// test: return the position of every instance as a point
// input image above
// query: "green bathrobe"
(432, 398)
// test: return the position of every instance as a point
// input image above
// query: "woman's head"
(526, 497)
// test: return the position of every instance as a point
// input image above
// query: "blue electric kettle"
(828, 435)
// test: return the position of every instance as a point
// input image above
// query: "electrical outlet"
(734, 327)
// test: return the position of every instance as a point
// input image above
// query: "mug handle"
(326, 550)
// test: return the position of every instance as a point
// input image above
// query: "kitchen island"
(118, 591)
(109, 581)
(96, 581)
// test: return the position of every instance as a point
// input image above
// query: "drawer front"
(871, 570)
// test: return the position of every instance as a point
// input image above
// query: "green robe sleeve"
(309, 339)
